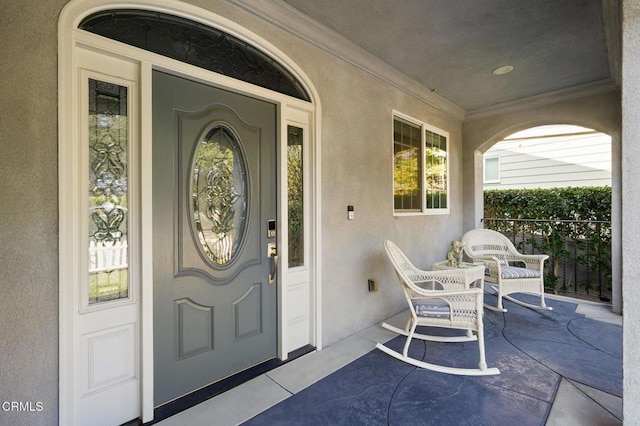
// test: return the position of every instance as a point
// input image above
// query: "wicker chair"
(509, 270)
(439, 299)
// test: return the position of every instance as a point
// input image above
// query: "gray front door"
(214, 193)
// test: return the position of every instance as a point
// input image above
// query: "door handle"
(272, 253)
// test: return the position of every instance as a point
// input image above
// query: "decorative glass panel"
(295, 195)
(407, 167)
(219, 195)
(108, 192)
(196, 44)
(436, 170)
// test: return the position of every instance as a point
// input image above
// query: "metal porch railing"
(579, 252)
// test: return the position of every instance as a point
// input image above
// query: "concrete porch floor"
(574, 404)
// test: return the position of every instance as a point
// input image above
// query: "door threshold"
(194, 398)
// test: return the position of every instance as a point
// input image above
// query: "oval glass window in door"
(219, 195)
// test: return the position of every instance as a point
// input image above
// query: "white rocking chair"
(509, 270)
(439, 299)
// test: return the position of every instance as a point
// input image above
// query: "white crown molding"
(289, 19)
(578, 91)
(296, 23)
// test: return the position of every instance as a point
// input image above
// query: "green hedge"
(583, 203)
(586, 243)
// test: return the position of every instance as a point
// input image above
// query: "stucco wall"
(356, 170)
(631, 197)
(28, 212)
(601, 112)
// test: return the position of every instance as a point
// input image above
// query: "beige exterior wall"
(28, 210)
(356, 162)
(356, 170)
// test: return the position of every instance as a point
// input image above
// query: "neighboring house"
(92, 161)
(549, 157)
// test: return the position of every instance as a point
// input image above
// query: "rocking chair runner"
(511, 271)
(439, 299)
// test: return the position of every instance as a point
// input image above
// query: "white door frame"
(299, 290)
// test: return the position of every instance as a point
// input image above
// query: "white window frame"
(424, 210)
(484, 169)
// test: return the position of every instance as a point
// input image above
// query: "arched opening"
(549, 189)
(594, 111)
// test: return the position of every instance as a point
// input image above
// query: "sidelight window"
(108, 192)
(295, 191)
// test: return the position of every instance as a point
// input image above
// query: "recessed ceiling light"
(505, 69)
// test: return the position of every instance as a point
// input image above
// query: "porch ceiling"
(451, 47)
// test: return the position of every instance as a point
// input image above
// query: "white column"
(631, 207)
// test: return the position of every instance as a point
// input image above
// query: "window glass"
(435, 156)
(407, 167)
(295, 181)
(491, 169)
(420, 168)
(196, 44)
(108, 192)
(219, 195)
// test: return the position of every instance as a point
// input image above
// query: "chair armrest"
(451, 284)
(486, 259)
(435, 294)
(532, 261)
(454, 278)
(535, 256)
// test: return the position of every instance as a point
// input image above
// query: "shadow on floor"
(537, 352)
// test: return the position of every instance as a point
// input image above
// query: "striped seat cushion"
(432, 308)
(512, 272)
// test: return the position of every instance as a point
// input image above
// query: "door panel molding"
(188, 316)
(248, 313)
(110, 357)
